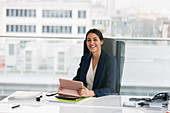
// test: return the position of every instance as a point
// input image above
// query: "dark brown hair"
(97, 32)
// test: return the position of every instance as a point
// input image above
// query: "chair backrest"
(117, 49)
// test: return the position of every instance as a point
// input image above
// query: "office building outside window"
(49, 17)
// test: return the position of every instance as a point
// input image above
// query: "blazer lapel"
(99, 69)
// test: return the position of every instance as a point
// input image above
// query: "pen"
(15, 106)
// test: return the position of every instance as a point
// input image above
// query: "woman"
(98, 70)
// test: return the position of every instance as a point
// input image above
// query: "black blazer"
(106, 73)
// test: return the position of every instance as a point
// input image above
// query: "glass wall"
(36, 64)
(146, 67)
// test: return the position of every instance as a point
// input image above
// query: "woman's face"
(93, 42)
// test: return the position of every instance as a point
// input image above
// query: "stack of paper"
(24, 95)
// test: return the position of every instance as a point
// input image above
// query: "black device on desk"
(161, 97)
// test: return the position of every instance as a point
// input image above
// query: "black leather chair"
(117, 49)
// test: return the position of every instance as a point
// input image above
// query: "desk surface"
(106, 104)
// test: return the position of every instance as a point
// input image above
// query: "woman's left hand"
(84, 92)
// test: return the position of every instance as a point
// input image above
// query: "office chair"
(117, 49)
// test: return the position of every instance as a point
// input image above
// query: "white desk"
(106, 104)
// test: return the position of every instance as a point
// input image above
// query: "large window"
(146, 67)
(35, 64)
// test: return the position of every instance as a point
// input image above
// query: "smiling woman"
(98, 70)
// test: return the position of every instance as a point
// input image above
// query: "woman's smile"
(92, 46)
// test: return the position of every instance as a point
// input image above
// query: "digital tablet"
(70, 87)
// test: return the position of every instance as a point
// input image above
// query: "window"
(82, 14)
(93, 22)
(28, 66)
(21, 28)
(8, 28)
(28, 56)
(61, 61)
(11, 49)
(28, 60)
(81, 30)
(20, 12)
(57, 13)
(57, 29)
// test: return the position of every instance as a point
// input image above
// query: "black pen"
(15, 106)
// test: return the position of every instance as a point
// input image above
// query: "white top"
(90, 75)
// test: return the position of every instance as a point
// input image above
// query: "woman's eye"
(88, 40)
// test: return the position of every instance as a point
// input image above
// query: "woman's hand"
(84, 92)
(60, 88)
